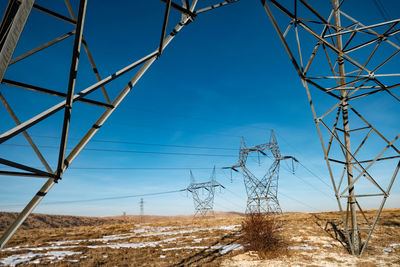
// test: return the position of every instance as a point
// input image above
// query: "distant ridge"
(37, 220)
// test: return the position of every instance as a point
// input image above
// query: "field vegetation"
(310, 238)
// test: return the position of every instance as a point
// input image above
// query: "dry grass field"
(182, 241)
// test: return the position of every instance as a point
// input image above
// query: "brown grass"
(261, 233)
(37, 220)
(200, 248)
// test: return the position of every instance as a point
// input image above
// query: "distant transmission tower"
(262, 193)
(141, 203)
(354, 67)
(203, 195)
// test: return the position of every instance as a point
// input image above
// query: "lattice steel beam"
(348, 62)
(11, 28)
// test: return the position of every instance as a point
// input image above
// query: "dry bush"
(260, 232)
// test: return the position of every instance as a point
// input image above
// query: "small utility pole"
(141, 210)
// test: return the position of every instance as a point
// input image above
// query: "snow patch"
(134, 245)
(15, 260)
(38, 248)
(225, 227)
(303, 247)
(388, 250)
(187, 247)
(223, 249)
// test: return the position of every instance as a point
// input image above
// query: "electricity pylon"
(11, 27)
(203, 195)
(141, 203)
(262, 193)
(351, 64)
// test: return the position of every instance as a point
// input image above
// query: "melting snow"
(125, 245)
(14, 260)
(390, 248)
(38, 248)
(226, 227)
(223, 249)
(155, 232)
(303, 247)
(387, 250)
(140, 230)
(134, 245)
(36, 258)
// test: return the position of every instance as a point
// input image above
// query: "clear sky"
(224, 76)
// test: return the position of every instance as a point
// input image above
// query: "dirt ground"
(313, 242)
(210, 242)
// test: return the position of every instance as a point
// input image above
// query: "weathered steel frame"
(11, 37)
(347, 92)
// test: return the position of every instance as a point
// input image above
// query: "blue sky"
(224, 76)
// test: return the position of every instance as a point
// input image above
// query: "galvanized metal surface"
(12, 24)
(340, 44)
(11, 29)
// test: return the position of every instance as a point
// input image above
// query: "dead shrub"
(261, 233)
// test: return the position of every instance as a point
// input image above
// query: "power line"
(164, 153)
(165, 145)
(160, 153)
(298, 201)
(303, 156)
(382, 10)
(236, 195)
(141, 143)
(233, 205)
(139, 168)
(133, 151)
(102, 199)
(312, 186)
(316, 176)
(197, 118)
(133, 168)
(174, 129)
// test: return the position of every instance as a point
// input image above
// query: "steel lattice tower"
(141, 203)
(262, 193)
(351, 65)
(11, 27)
(203, 195)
